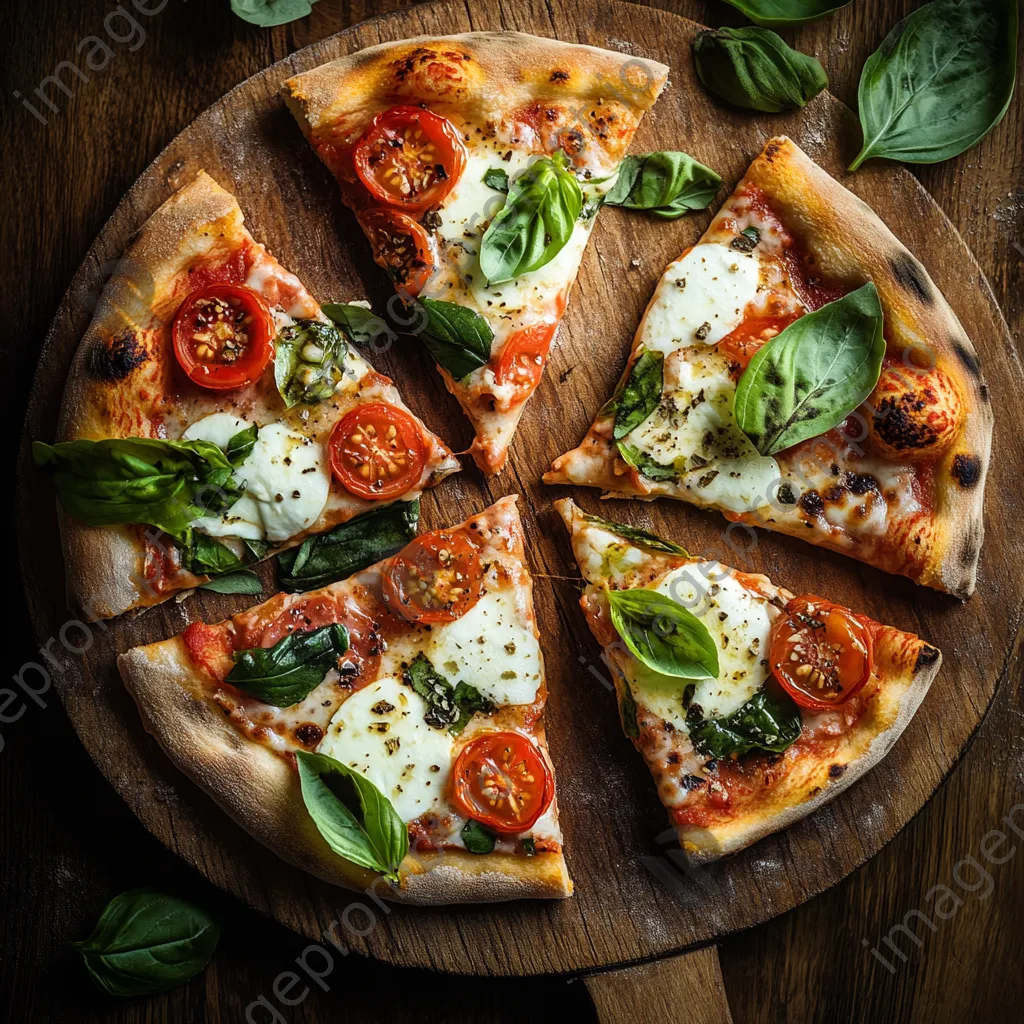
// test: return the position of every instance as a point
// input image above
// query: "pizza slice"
(476, 165)
(797, 369)
(752, 707)
(214, 414)
(383, 731)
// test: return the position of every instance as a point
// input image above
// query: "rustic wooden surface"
(69, 176)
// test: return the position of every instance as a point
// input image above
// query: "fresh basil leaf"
(268, 13)
(663, 634)
(940, 82)
(478, 838)
(355, 818)
(328, 557)
(529, 845)
(812, 375)
(468, 701)
(534, 224)
(644, 464)
(207, 556)
(259, 549)
(640, 395)
(147, 942)
(637, 536)
(496, 178)
(628, 712)
(240, 445)
(448, 707)
(165, 484)
(754, 68)
(289, 671)
(780, 13)
(665, 184)
(458, 338)
(308, 359)
(245, 581)
(361, 325)
(768, 721)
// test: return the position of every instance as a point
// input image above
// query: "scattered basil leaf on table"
(644, 464)
(361, 325)
(780, 13)
(638, 536)
(448, 707)
(536, 221)
(308, 359)
(754, 68)
(245, 581)
(940, 82)
(289, 671)
(240, 445)
(640, 395)
(458, 338)
(663, 634)
(665, 184)
(768, 721)
(478, 838)
(268, 13)
(496, 178)
(147, 942)
(812, 375)
(328, 557)
(355, 818)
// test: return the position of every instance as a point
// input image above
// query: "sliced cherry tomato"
(522, 359)
(502, 780)
(377, 451)
(820, 653)
(223, 336)
(436, 578)
(410, 158)
(745, 341)
(400, 246)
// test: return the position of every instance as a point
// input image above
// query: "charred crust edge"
(115, 358)
(928, 655)
(911, 277)
(966, 470)
(968, 358)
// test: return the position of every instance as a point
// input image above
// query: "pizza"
(475, 165)
(751, 706)
(383, 731)
(214, 415)
(798, 370)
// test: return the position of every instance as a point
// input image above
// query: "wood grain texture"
(63, 868)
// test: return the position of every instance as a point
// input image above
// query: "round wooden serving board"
(634, 900)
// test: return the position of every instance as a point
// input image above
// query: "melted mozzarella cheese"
(380, 732)
(738, 622)
(607, 555)
(491, 648)
(218, 429)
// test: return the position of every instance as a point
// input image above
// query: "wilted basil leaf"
(640, 395)
(665, 184)
(458, 338)
(447, 706)
(207, 556)
(637, 536)
(361, 325)
(768, 721)
(779, 13)
(240, 445)
(308, 359)
(644, 464)
(628, 712)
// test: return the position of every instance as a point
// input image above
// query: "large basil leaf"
(640, 395)
(535, 223)
(458, 338)
(644, 464)
(289, 671)
(637, 536)
(665, 184)
(753, 68)
(663, 634)
(352, 814)
(308, 358)
(165, 484)
(245, 581)
(329, 557)
(360, 324)
(779, 13)
(769, 721)
(146, 942)
(478, 838)
(267, 13)
(940, 81)
(812, 375)
(448, 707)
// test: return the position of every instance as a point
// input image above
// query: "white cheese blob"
(380, 732)
(607, 554)
(491, 648)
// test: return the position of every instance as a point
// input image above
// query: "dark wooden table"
(67, 843)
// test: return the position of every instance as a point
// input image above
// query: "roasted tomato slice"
(400, 246)
(742, 344)
(820, 653)
(410, 158)
(502, 780)
(436, 578)
(522, 359)
(223, 336)
(377, 451)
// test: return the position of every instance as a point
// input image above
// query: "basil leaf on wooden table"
(754, 68)
(638, 536)
(663, 634)
(147, 942)
(478, 838)
(812, 375)
(448, 707)
(536, 221)
(665, 184)
(268, 13)
(355, 818)
(941, 80)
(768, 721)
(640, 395)
(289, 671)
(308, 359)
(245, 581)
(458, 338)
(328, 557)
(359, 323)
(780, 13)
(496, 178)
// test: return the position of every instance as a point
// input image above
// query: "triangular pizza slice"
(476, 165)
(751, 706)
(385, 731)
(214, 414)
(797, 369)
